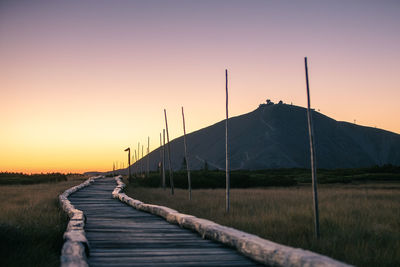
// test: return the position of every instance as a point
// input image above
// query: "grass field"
(359, 220)
(32, 223)
(275, 177)
(360, 224)
(8, 178)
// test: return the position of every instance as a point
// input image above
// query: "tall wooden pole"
(160, 157)
(141, 163)
(163, 161)
(186, 156)
(136, 169)
(171, 179)
(133, 160)
(138, 158)
(228, 181)
(129, 163)
(148, 155)
(313, 158)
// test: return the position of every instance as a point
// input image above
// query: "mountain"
(276, 136)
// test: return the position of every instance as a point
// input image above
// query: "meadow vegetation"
(359, 219)
(32, 223)
(359, 211)
(21, 178)
(274, 177)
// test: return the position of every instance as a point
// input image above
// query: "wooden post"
(160, 162)
(136, 169)
(186, 157)
(163, 161)
(133, 169)
(148, 155)
(141, 164)
(171, 179)
(228, 182)
(113, 168)
(138, 158)
(129, 163)
(313, 158)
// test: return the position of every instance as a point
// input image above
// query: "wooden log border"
(75, 250)
(252, 246)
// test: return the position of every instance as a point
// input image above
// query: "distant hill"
(276, 136)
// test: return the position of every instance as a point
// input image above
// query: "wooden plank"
(172, 264)
(172, 251)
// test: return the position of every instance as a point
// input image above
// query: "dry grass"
(32, 223)
(360, 224)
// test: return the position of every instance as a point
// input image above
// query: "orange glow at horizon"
(80, 82)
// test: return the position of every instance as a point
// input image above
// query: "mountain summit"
(276, 136)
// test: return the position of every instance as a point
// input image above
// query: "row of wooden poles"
(227, 170)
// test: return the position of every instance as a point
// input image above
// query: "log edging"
(75, 250)
(252, 246)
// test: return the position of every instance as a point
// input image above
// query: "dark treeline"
(21, 178)
(274, 177)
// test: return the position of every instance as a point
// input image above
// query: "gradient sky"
(82, 80)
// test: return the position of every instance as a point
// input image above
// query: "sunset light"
(82, 80)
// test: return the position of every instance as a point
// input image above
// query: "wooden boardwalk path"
(120, 235)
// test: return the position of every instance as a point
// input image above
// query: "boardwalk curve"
(119, 235)
(259, 249)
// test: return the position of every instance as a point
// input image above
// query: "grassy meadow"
(359, 222)
(31, 221)
(8, 178)
(359, 212)
(274, 177)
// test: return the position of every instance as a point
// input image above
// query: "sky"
(81, 80)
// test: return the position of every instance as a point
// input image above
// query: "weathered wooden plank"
(204, 261)
(161, 245)
(126, 234)
(156, 252)
(172, 264)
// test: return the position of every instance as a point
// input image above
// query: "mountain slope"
(276, 136)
